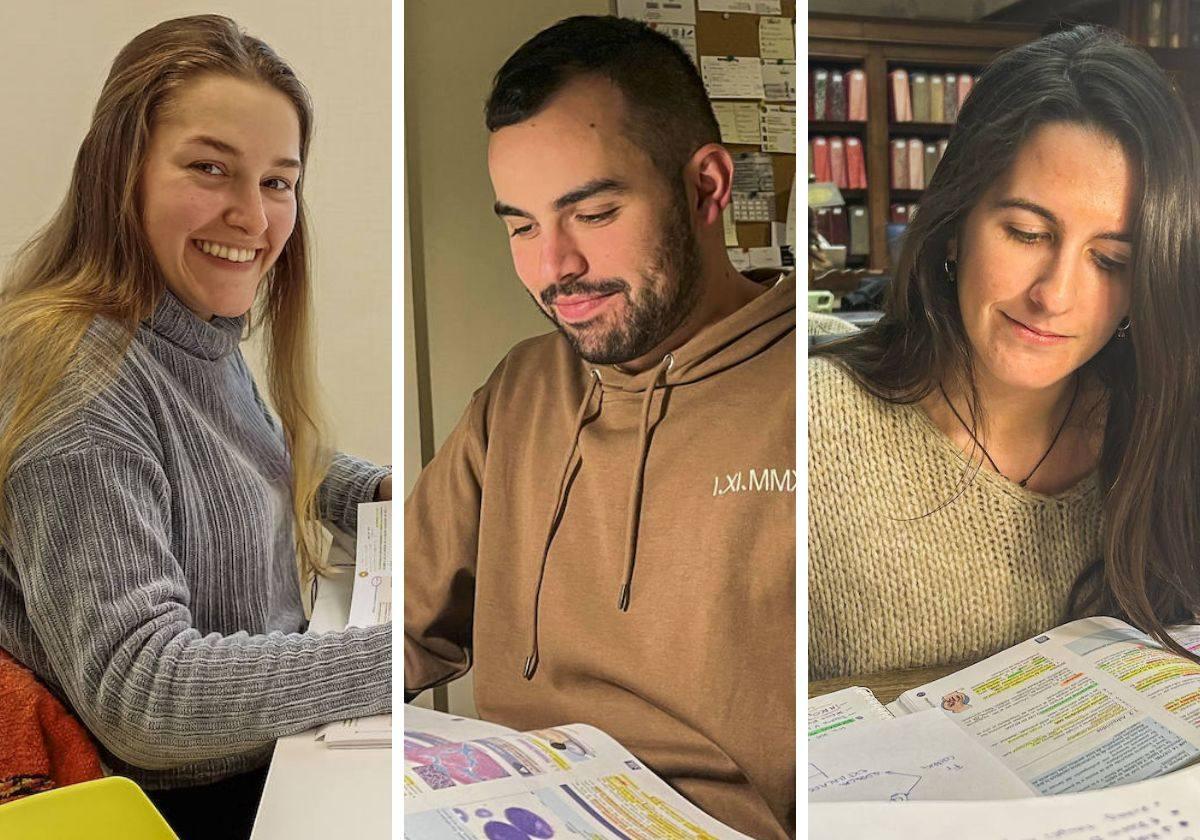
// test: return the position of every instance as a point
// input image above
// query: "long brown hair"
(1149, 466)
(92, 260)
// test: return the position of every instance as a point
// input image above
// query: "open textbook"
(1159, 809)
(466, 778)
(1091, 704)
(370, 604)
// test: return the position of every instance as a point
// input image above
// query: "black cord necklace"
(1061, 426)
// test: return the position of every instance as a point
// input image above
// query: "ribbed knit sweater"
(150, 577)
(897, 578)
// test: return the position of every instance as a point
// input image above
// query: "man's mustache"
(573, 288)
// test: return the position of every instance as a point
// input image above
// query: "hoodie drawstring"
(635, 501)
(531, 662)
(635, 493)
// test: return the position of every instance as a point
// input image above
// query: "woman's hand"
(383, 493)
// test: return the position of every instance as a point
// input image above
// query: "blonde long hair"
(92, 260)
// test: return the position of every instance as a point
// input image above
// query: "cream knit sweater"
(990, 569)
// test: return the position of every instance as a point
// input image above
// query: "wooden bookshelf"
(879, 45)
(1179, 54)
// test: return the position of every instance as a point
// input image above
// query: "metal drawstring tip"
(530, 666)
(623, 601)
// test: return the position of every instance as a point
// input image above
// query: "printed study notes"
(1090, 705)
(1159, 809)
(467, 779)
(370, 604)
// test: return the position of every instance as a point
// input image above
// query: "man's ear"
(952, 249)
(710, 170)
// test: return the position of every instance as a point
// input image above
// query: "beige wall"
(476, 307)
(56, 56)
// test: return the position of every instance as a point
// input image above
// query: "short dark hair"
(669, 113)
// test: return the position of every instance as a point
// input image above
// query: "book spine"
(837, 162)
(951, 98)
(901, 104)
(856, 164)
(899, 164)
(857, 86)
(836, 102)
(937, 101)
(820, 92)
(916, 164)
(860, 232)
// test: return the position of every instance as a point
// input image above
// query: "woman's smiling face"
(1043, 258)
(221, 170)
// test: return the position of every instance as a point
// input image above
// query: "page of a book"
(370, 604)
(1167, 808)
(1092, 704)
(427, 723)
(839, 711)
(371, 601)
(921, 756)
(566, 781)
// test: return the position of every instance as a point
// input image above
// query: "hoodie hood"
(720, 346)
(736, 338)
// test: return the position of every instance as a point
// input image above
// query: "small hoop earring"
(951, 267)
(1123, 327)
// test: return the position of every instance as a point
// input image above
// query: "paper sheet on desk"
(370, 604)
(374, 731)
(921, 756)
(371, 601)
(1166, 807)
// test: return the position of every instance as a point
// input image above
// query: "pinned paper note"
(766, 257)
(752, 172)
(732, 77)
(778, 128)
(731, 239)
(748, 7)
(665, 11)
(753, 207)
(776, 38)
(683, 34)
(779, 80)
(738, 122)
(740, 258)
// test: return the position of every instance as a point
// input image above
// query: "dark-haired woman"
(1014, 443)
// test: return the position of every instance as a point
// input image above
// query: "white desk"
(313, 791)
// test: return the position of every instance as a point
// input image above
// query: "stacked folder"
(838, 159)
(837, 94)
(913, 161)
(926, 96)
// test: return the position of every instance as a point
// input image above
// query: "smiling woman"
(156, 519)
(1013, 444)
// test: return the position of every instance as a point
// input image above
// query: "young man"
(608, 535)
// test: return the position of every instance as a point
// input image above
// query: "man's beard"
(670, 290)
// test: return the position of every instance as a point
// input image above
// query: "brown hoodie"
(620, 550)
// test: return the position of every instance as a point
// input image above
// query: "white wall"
(56, 56)
(475, 306)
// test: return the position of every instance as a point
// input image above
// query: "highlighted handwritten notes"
(831, 714)
(918, 756)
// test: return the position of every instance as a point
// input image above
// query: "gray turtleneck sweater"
(150, 576)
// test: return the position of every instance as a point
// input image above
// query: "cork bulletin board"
(736, 34)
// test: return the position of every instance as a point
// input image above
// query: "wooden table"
(885, 685)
